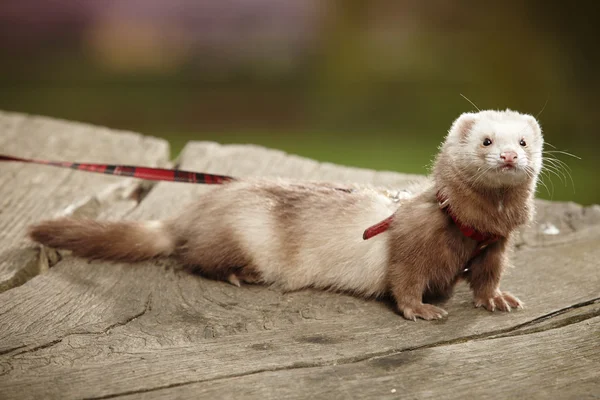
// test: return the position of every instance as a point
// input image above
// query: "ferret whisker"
(564, 179)
(558, 170)
(467, 99)
(570, 180)
(557, 161)
(482, 174)
(531, 173)
(542, 110)
(547, 162)
(551, 194)
(553, 171)
(543, 174)
(562, 166)
(552, 159)
(561, 152)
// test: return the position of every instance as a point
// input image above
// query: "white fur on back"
(338, 257)
(259, 237)
(330, 254)
(163, 242)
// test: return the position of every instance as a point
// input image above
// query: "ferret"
(297, 235)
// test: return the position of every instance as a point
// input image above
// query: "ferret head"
(494, 149)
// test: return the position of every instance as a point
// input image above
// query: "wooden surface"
(29, 193)
(150, 330)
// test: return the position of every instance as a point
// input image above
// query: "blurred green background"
(372, 84)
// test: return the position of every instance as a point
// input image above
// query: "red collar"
(483, 239)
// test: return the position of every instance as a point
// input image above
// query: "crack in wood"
(514, 331)
(7, 351)
(537, 325)
(147, 307)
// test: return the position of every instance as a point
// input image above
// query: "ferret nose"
(508, 156)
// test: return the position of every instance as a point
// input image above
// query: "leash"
(153, 174)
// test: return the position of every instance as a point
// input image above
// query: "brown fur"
(120, 241)
(435, 265)
(291, 200)
(436, 262)
(209, 247)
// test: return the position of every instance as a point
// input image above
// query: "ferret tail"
(119, 241)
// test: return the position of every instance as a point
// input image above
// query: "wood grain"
(556, 364)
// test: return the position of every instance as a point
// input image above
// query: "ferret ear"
(463, 124)
(534, 124)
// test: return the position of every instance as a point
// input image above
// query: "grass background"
(373, 84)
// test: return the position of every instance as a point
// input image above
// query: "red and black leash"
(153, 174)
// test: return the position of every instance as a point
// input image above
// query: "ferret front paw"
(502, 301)
(424, 311)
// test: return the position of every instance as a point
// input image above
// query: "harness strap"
(483, 239)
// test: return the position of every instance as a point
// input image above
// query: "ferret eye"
(522, 143)
(487, 142)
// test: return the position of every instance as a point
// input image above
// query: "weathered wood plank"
(556, 364)
(195, 330)
(103, 329)
(33, 192)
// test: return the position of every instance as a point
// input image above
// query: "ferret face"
(496, 148)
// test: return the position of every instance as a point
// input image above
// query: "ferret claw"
(502, 301)
(233, 279)
(425, 311)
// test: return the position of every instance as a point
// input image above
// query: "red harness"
(483, 239)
